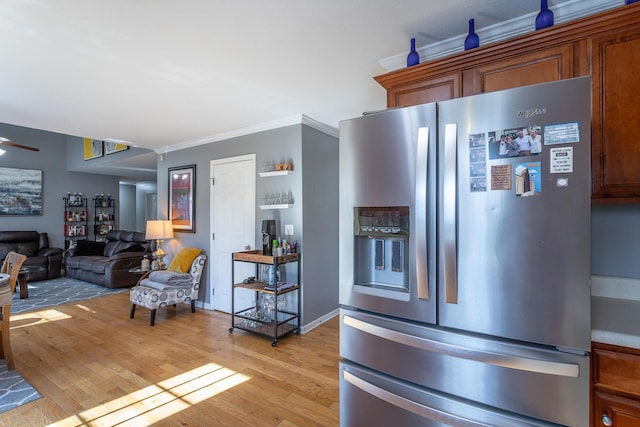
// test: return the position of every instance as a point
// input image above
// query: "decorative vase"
(472, 40)
(545, 17)
(413, 58)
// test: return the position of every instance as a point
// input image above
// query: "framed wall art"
(92, 148)
(182, 188)
(114, 147)
(20, 191)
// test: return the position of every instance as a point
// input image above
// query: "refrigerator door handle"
(407, 404)
(523, 363)
(450, 237)
(420, 234)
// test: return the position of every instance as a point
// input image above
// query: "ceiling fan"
(7, 142)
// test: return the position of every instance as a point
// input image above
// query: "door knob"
(606, 421)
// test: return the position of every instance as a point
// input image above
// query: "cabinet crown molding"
(564, 12)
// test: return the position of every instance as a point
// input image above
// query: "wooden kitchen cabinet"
(432, 89)
(616, 386)
(605, 46)
(615, 411)
(530, 68)
(616, 109)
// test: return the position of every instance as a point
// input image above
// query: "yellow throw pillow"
(181, 263)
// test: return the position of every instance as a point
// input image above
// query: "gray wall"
(279, 145)
(320, 218)
(126, 205)
(313, 186)
(145, 212)
(615, 240)
(57, 181)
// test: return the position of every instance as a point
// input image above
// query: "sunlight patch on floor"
(36, 318)
(156, 402)
(85, 308)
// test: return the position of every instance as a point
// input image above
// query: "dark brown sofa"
(36, 247)
(108, 263)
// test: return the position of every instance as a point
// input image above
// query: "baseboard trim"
(319, 321)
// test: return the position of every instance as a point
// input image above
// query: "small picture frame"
(93, 148)
(114, 147)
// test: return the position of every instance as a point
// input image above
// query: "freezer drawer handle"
(422, 274)
(490, 358)
(408, 405)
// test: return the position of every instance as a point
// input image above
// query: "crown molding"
(565, 12)
(322, 127)
(260, 127)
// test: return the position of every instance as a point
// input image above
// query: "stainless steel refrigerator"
(465, 261)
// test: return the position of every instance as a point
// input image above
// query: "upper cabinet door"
(616, 108)
(434, 89)
(541, 66)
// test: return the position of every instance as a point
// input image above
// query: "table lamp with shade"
(159, 230)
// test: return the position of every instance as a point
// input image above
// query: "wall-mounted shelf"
(274, 173)
(282, 206)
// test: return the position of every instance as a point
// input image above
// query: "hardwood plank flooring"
(95, 366)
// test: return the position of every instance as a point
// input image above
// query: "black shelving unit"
(104, 216)
(75, 219)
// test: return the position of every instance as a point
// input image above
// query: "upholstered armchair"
(162, 288)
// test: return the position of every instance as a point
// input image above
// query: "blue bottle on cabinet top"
(629, 1)
(413, 58)
(545, 17)
(472, 40)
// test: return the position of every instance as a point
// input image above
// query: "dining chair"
(11, 266)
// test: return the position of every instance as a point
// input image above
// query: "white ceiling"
(156, 73)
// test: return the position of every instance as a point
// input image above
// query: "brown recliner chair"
(36, 247)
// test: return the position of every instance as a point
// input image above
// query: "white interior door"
(233, 226)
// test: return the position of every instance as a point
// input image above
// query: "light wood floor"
(95, 366)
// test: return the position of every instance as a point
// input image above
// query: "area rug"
(14, 390)
(52, 292)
